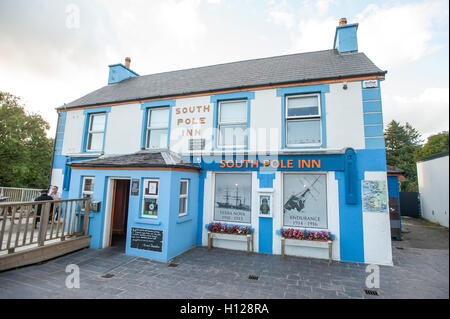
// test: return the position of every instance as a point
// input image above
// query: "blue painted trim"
(154, 104)
(371, 94)
(351, 187)
(373, 131)
(306, 89)
(87, 114)
(375, 142)
(265, 179)
(245, 95)
(67, 173)
(372, 106)
(373, 118)
(60, 133)
(184, 219)
(265, 244)
(201, 194)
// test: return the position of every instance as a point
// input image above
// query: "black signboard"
(147, 239)
(134, 187)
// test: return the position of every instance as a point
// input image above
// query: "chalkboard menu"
(147, 239)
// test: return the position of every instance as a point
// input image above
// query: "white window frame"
(149, 128)
(144, 196)
(83, 191)
(184, 196)
(89, 131)
(231, 123)
(303, 118)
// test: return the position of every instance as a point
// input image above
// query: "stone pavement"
(219, 273)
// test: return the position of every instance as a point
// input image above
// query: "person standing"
(42, 197)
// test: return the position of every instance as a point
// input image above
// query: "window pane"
(305, 200)
(157, 139)
(232, 112)
(230, 135)
(183, 202)
(150, 207)
(183, 187)
(233, 198)
(303, 106)
(303, 132)
(88, 185)
(98, 122)
(158, 118)
(95, 141)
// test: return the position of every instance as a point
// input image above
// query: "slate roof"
(301, 67)
(147, 158)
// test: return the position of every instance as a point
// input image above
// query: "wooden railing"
(14, 194)
(25, 224)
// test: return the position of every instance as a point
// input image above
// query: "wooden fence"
(14, 194)
(34, 224)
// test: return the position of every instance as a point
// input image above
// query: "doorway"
(119, 213)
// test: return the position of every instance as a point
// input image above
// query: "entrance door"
(119, 214)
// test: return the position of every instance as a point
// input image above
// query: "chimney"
(119, 72)
(345, 39)
(127, 62)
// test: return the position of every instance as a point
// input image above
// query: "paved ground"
(420, 271)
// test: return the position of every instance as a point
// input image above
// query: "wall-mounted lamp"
(345, 86)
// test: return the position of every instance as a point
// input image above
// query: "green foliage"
(401, 144)
(25, 150)
(436, 144)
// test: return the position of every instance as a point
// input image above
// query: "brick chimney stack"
(127, 62)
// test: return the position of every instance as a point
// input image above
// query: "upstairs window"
(157, 128)
(96, 132)
(232, 124)
(303, 120)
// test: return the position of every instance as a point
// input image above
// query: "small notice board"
(146, 239)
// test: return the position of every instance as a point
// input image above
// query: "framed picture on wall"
(265, 205)
(151, 188)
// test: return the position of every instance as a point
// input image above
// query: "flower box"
(294, 237)
(308, 243)
(240, 237)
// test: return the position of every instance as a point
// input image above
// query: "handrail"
(58, 220)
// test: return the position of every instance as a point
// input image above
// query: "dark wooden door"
(120, 207)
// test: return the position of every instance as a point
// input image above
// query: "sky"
(53, 52)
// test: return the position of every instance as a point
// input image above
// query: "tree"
(25, 150)
(401, 144)
(436, 144)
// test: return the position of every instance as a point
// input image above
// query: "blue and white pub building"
(285, 142)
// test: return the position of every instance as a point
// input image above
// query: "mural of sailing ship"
(233, 201)
(297, 201)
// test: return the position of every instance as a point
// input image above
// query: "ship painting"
(297, 201)
(233, 201)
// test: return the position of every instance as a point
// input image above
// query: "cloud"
(427, 111)
(400, 34)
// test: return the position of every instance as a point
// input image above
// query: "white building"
(432, 175)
